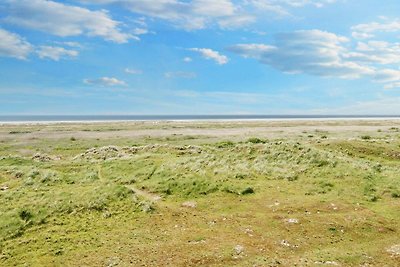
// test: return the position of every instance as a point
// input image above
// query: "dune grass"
(258, 201)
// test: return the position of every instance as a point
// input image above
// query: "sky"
(163, 57)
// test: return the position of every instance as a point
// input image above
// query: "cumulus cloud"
(190, 15)
(64, 20)
(105, 81)
(325, 54)
(13, 45)
(56, 52)
(211, 54)
(200, 14)
(312, 52)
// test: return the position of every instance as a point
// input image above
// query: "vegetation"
(89, 199)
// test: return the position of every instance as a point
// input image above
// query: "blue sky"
(199, 57)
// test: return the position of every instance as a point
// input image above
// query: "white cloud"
(70, 44)
(361, 35)
(140, 31)
(105, 81)
(282, 7)
(268, 6)
(190, 15)
(13, 45)
(236, 21)
(187, 59)
(387, 75)
(376, 52)
(367, 30)
(64, 20)
(211, 54)
(133, 71)
(56, 52)
(301, 3)
(312, 52)
(320, 53)
(212, 8)
(180, 74)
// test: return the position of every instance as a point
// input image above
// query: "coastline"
(193, 120)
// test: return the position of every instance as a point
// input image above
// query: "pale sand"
(217, 129)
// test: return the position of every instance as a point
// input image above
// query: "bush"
(247, 191)
(365, 137)
(25, 215)
(33, 173)
(395, 194)
(225, 144)
(255, 140)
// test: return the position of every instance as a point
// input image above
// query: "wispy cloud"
(283, 7)
(105, 81)
(133, 71)
(376, 52)
(64, 20)
(368, 30)
(189, 15)
(211, 54)
(56, 52)
(13, 45)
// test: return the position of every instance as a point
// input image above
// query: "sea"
(5, 119)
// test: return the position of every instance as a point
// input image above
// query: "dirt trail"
(147, 195)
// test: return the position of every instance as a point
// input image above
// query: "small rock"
(239, 249)
(248, 231)
(394, 250)
(211, 223)
(114, 261)
(4, 188)
(334, 207)
(189, 204)
(146, 207)
(285, 243)
(292, 221)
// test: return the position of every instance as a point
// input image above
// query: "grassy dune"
(200, 194)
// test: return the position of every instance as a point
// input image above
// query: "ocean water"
(99, 118)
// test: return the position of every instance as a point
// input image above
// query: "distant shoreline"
(31, 120)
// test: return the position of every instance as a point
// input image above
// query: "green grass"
(92, 202)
